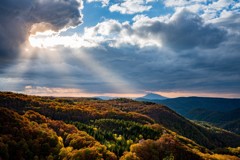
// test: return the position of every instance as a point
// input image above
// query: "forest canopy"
(33, 127)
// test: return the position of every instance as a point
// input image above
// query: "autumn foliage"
(33, 127)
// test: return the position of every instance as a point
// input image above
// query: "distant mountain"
(151, 96)
(219, 111)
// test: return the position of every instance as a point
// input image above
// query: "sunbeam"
(75, 43)
(15, 73)
(117, 83)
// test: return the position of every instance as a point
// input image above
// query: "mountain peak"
(153, 96)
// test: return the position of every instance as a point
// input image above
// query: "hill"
(183, 104)
(33, 136)
(151, 96)
(219, 111)
(97, 129)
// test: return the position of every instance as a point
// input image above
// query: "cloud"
(92, 37)
(208, 10)
(38, 90)
(69, 92)
(160, 69)
(181, 31)
(131, 6)
(205, 70)
(181, 3)
(174, 53)
(104, 2)
(19, 20)
(185, 30)
(228, 20)
(72, 41)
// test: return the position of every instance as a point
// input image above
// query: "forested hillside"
(222, 112)
(33, 136)
(33, 127)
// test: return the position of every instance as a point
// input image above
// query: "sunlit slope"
(122, 123)
(33, 136)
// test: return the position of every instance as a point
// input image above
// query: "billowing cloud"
(131, 6)
(126, 6)
(183, 30)
(228, 20)
(20, 19)
(208, 10)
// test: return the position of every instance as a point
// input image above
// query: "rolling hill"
(36, 127)
(219, 111)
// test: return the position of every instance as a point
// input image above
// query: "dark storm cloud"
(21, 18)
(153, 69)
(197, 70)
(185, 30)
(195, 56)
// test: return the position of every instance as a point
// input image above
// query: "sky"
(123, 48)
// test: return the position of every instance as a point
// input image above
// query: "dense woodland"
(222, 112)
(33, 127)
